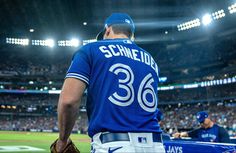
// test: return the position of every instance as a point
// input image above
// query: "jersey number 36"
(126, 83)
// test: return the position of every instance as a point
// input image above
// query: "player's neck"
(117, 36)
(211, 124)
(120, 36)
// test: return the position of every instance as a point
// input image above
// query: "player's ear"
(107, 32)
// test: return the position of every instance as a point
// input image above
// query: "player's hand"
(177, 135)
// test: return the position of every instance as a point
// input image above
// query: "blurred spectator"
(207, 132)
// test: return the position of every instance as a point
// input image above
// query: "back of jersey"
(122, 86)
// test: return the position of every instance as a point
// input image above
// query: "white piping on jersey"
(78, 76)
(137, 55)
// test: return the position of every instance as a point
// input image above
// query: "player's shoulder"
(143, 50)
(218, 126)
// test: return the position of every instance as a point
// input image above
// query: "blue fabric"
(209, 134)
(201, 116)
(198, 147)
(160, 115)
(122, 84)
(120, 18)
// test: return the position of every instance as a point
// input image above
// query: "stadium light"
(75, 42)
(31, 82)
(189, 25)
(69, 43)
(206, 19)
(3, 106)
(218, 14)
(49, 42)
(232, 8)
(17, 41)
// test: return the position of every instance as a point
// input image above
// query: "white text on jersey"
(137, 55)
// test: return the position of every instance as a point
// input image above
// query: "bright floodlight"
(74, 42)
(25, 42)
(49, 42)
(218, 14)
(188, 25)
(206, 19)
(17, 41)
(232, 8)
(69, 43)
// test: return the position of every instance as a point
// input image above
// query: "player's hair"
(122, 28)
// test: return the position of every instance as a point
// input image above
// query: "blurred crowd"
(211, 93)
(39, 123)
(179, 106)
(182, 117)
(29, 64)
(29, 99)
(176, 117)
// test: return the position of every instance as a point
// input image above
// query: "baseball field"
(31, 142)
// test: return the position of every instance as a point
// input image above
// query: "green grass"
(40, 140)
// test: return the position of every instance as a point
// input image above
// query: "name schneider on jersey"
(137, 55)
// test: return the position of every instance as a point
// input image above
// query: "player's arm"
(192, 134)
(223, 135)
(180, 134)
(68, 107)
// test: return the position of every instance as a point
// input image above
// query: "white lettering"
(156, 69)
(134, 51)
(104, 50)
(174, 149)
(153, 64)
(141, 53)
(146, 58)
(111, 47)
(121, 50)
(128, 52)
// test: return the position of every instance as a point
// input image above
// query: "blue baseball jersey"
(122, 81)
(215, 133)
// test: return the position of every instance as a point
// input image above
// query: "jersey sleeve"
(194, 133)
(80, 65)
(223, 135)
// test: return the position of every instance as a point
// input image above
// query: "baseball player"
(208, 132)
(121, 79)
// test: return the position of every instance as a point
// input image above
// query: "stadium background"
(193, 42)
